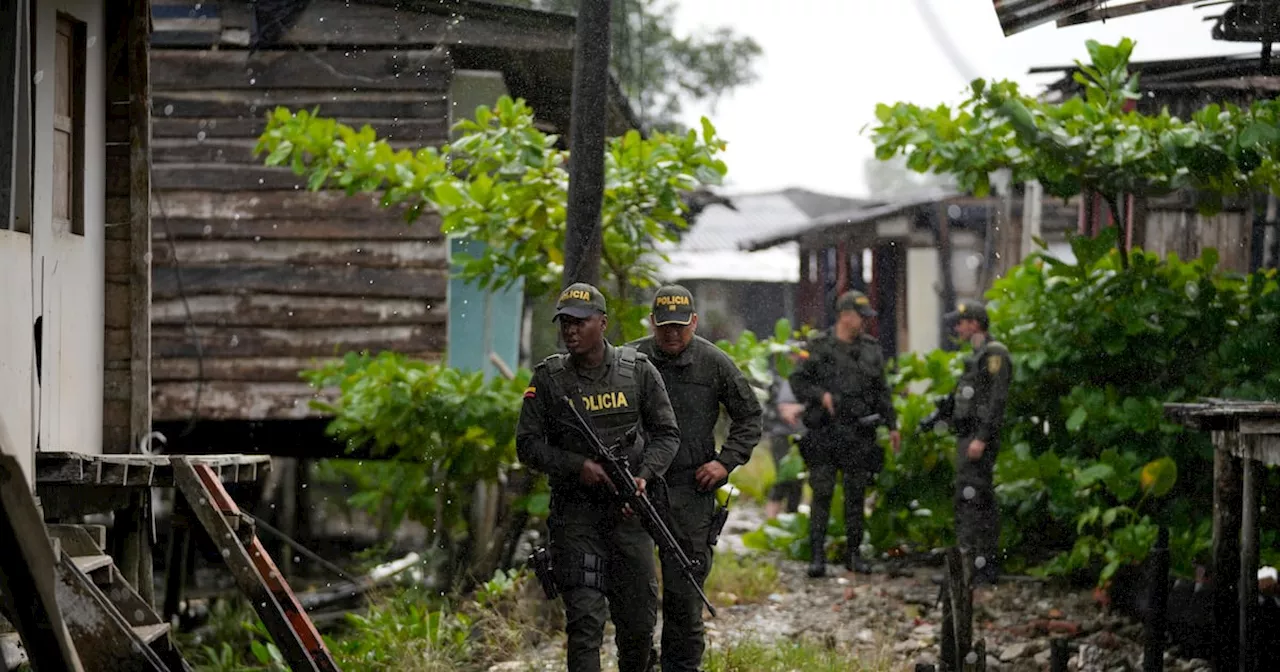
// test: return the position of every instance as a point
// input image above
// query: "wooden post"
(1158, 603)
(287, 514)
(1059, 655)
(1248, 561)
(587, 127)
(942, 242)
(957, 626)
(179, 551)
(1226, 549)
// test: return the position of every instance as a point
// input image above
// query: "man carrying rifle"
(846, 395)
(602, 557)
(700, 378)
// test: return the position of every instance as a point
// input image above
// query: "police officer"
(602, 558)
(700, 379)
(976, 411)
(846, 394)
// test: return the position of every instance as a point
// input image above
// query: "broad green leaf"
(1077, 419)
(1159, 477)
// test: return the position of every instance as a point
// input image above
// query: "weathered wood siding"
(254, 277)
(126, 410)
(1187, 233)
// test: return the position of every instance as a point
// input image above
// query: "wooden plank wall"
(126, 412)
(254, 277)
(1187, 233)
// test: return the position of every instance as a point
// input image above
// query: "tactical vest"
(973, 388)
(849, 374)
(611, 404)
(691, 380)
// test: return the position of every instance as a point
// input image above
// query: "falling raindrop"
(39, 77)
(235, 340)
(168, 110)
(253, 81)
(969, 492)
(226, 552)
(980, 562)
(89, 43)
(208, 230)
(257, 239)
(200, 136)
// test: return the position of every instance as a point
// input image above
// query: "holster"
(718, 519)
(543, 568)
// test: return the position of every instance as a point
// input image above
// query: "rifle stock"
(619, 472)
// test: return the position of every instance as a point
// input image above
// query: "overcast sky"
(827, 63)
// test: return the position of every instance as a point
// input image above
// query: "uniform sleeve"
(997, 372)
(659, 422)
(806, 379)
(746, 416)
(884, 396)
(531, 436)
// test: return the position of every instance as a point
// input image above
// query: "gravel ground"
(892, 620)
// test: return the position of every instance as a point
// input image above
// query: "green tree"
(659, 69)
(1092, 142)
(503, 182)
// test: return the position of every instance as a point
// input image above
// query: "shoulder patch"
(530, 392)
(994, 362)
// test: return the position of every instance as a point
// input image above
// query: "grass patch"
(745, 580)
(754, 478)
(807, 655)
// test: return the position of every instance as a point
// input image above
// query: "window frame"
(72, 32)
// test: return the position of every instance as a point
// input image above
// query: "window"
(68, 126)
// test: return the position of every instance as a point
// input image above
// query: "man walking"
(700, 378)
(846, 395)
(976, 412)
(602, 558)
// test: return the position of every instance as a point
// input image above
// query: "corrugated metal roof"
(720, 227)
(777, 264)
(1018, 15)
(847, 218)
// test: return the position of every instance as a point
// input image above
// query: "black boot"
(818, 565)
(858, 564)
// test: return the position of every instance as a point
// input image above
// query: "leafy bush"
(446, 430)
(741, 580)
(1098, 351)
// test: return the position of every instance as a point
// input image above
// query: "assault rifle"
(614, 462)
(946, 406)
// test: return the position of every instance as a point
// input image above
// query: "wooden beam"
(319, 281)
(364, 70)
(338, 103)
(139, 32)
(290, 312)
(1226, 549)
(1116, 11)
(28, 589)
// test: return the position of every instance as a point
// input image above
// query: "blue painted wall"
(481, 322)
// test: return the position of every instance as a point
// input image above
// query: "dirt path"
(891, 621)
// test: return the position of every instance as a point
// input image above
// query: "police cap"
(672, 304)
(969, 310)
(580, 300)
(857, 301)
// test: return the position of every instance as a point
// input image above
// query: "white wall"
(68, 270)
(923, 304)
(16, 356)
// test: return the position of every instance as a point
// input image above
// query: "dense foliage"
(504, 183)
(1098, 351)
(1095, 142)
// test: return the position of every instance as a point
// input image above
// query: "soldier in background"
(602, 558)
(700, 378)
(846, 394)
(976, 413)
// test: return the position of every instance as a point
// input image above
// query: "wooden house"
(737, 290)
(913, 258)
(75, 244)
(255, 277)
(1245, 232)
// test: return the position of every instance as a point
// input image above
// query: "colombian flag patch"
(530, 392)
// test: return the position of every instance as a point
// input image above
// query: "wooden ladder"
(254, 571)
